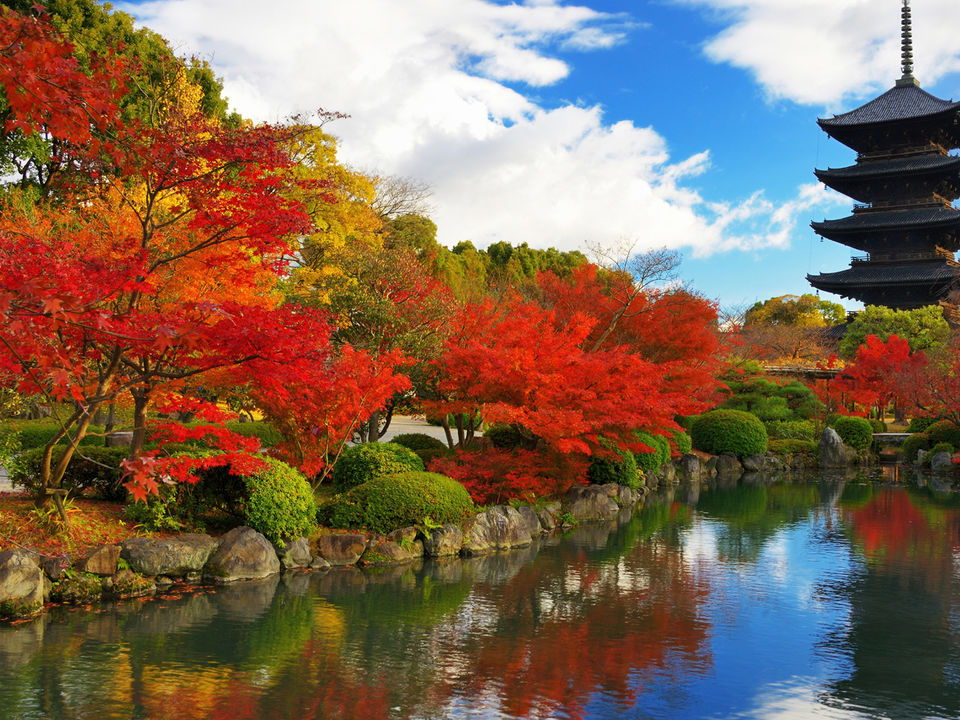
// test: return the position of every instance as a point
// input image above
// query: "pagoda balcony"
(928, 201)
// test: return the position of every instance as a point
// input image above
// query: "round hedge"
(650, 462)
(944, 431)
(791, 430)
(279, 502)
(683, 442)
(733, 431)
(914, 444)
(503, 437)
(367, 461)
(854, 431)
(419, 441)
(920, 424)
(622, 471)
(941, 447)
(386, 503)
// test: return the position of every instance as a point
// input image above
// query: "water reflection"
(756, 599)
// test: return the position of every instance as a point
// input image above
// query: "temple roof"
(933, 272)
(894, 219)
(912, 164)
(898, 103)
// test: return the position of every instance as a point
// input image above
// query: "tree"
(797, 311)
(923, 328)
(881, 372)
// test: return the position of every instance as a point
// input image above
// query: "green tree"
(923, 328)
(796, 310)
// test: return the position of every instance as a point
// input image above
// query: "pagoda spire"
(906, 47)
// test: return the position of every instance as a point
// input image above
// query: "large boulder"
(21, 583)
(386, 552)
(591, 502)
(729, 466)
(548, 513)
(243, 554)
(101, 560)
(691, 467)
(833, 453)
(294, 554)
(172, 556)
(530, 519)
(408, 539)
(443, 542)
(341, 548)
(941, 462)
(498, 528)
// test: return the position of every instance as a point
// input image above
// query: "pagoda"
(904, 183)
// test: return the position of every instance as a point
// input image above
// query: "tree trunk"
(445, 424)
(141, 400)
(373, 427)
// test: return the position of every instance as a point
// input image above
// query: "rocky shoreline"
(140, 566)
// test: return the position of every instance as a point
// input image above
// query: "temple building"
(904, 183)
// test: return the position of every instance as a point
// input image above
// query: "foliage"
(504, 437)
(683, 442)
(944, 431)
(496, 476)
(881, 372)
(266, 433)
(854, 431)
(802, 311)
(620, 469)
(919, 424)
(733, 431)
(941, 447)
(279, 502)
(792, 430)
(158, 513)
(791, 446)
(878, 426)
(95, 468)
(771, 401)
(389, 502)
(923, 328)
(368, 461)
(418, 441)
(913, 444)
(650, 461)
(37, 433)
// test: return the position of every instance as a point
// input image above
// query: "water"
(803, 600)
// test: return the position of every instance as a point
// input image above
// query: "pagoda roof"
(893, 219)
(904, 102)
(911, 164)
(871, 274)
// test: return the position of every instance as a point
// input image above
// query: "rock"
(54, 566)
(173, 556)
(529, 517)
(626, 497)
(547, 515)
(294, 554)
(833, 453)
(710, 467)
(668, 473)
(101, 560)
(243, 554)
(163, 581)
(77, 588)
(590, 502)
(341, 548)
(319, 563)
(385, 553)
(754, 463)
(498, 528)
(122, 438)
(127, 584)
(921, 454)
(21, 583)
(941, 462)
(408, 540)
(443, 542)
(729, 466)
(691, 467)
(651, 480)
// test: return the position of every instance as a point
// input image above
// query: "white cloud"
(825, 52)
(423, 81)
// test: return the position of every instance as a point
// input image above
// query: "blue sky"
(684, 123)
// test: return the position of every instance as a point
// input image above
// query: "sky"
(687, 124)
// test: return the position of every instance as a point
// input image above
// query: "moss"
(77, 587)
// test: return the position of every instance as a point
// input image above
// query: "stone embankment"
(140, 565)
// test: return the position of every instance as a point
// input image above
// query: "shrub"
(683, 442)
(389, 502)
(791, 446)
(791, 430)
(944, 431)
(878, 426)
(650, 462)
(733, 431)
(419, 441)
(914, 444)
(97, 469)
(267, 433)
(37, 433)
(920, 424)
(622, 471)
(368, 461)
(504, 437)
(279, 502)
(854, 431)
(941, 447)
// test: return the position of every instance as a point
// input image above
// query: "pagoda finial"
(906, 47)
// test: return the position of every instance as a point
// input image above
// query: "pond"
(809, 599)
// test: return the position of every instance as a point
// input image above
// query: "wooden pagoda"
(904, 183)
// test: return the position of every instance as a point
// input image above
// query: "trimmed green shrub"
(504, 437)
(37, 433)
(279, 502)
(913, 444)
(97, 469)
(733, 431)
(622, 471)
(368, 461)
(791, 430)
(944, 431)
(419, 441)
(395, 501)
(878, 426)
(854, 431)
(791, 446)
(941, 447)
(920, 424)
(683, 442)
(267, 433)
(650, 462)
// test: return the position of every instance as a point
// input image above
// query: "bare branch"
(396, 195)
